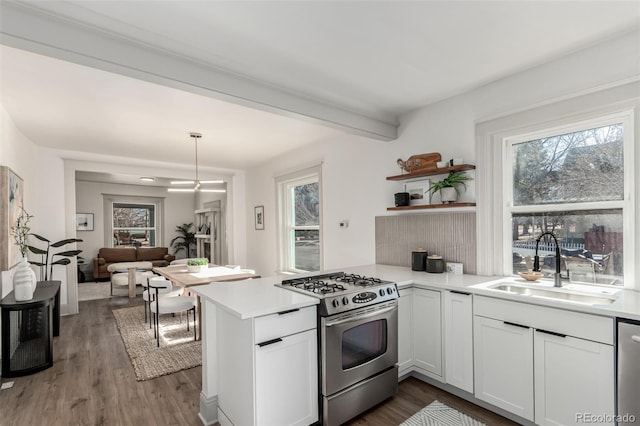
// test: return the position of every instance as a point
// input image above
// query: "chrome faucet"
(536, 259)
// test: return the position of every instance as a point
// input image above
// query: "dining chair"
(169, 305)
(149, 296)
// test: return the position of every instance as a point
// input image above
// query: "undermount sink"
(594, 296)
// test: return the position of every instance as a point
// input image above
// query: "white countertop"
(254, 297)
(258, 297)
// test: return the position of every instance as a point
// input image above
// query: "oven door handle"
(361, 317)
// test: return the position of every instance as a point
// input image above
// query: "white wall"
(354, 169)
(351, 191)
(20, 154)
(178, 209)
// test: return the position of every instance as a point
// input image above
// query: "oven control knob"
(382, 292)
(335, 303)
(390, 290)
(345, 300)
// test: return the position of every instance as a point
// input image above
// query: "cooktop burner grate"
(358, 280)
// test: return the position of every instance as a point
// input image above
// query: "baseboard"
(208, 409)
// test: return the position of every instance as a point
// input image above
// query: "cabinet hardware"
(460, 292)
(553, 333)
(288, 312)
(635, 338)
(514, 324)
(269, 342)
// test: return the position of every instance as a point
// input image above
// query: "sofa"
(158, 256)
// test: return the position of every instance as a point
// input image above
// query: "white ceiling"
(379, 59)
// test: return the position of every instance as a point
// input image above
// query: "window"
(569, 181)
(133, 221)
(299, 221)
(134, 225)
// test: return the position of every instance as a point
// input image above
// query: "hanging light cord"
(195, 137)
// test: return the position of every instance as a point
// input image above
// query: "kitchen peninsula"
(424, 348)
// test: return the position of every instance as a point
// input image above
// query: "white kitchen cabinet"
(286, 371)
(458, 339)
(571, 372)
(405, 331)
(504, 365)
(427, 332)
(268, 368)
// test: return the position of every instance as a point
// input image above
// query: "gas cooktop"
(340, 292)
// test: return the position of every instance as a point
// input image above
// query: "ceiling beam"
(24, 26)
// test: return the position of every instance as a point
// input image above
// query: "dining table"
(180, 275)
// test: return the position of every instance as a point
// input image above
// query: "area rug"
(178, 351)
(439, 414)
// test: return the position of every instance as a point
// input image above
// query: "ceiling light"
(147, 179)
(196, 184)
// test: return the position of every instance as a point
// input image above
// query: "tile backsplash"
(451, 235)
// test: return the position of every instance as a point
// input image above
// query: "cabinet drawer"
(577, 324)
(284, 324)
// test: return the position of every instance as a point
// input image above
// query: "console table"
(28, 328)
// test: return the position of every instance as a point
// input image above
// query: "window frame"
(109, 202)
(617, 100)
(285, 214)
(146, 205)
(624, 118)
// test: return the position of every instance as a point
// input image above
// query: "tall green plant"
(47, 256)
(185, 240)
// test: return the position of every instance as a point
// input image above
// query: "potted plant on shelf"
(448, 187)
(197, 265)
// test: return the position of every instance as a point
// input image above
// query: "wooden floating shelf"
(431, 172)
(431, 206)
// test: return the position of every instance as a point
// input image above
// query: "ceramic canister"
(418, 259)
(435, 264)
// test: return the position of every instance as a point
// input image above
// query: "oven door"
(357, 345)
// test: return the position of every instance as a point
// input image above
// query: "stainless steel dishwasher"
(628, 372)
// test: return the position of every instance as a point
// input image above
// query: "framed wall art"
(259, 217)
(419, 192)
(12, 195)
(84, 221)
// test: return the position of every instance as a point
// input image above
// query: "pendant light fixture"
(196, 185)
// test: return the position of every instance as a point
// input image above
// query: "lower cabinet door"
(574, 379)
(427, 332)
(287, 381)
(458, 340)
(405, 331)
(503, 373)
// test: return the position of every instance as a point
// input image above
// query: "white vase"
(448, 194)
(24, 281)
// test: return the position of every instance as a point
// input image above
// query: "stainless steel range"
(358, 341)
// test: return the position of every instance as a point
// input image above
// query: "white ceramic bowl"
(442, 164)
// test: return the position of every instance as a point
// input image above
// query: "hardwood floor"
(92, 383)
(412, 396)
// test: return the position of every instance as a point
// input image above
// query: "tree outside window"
(571, 184)
(134, 225)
